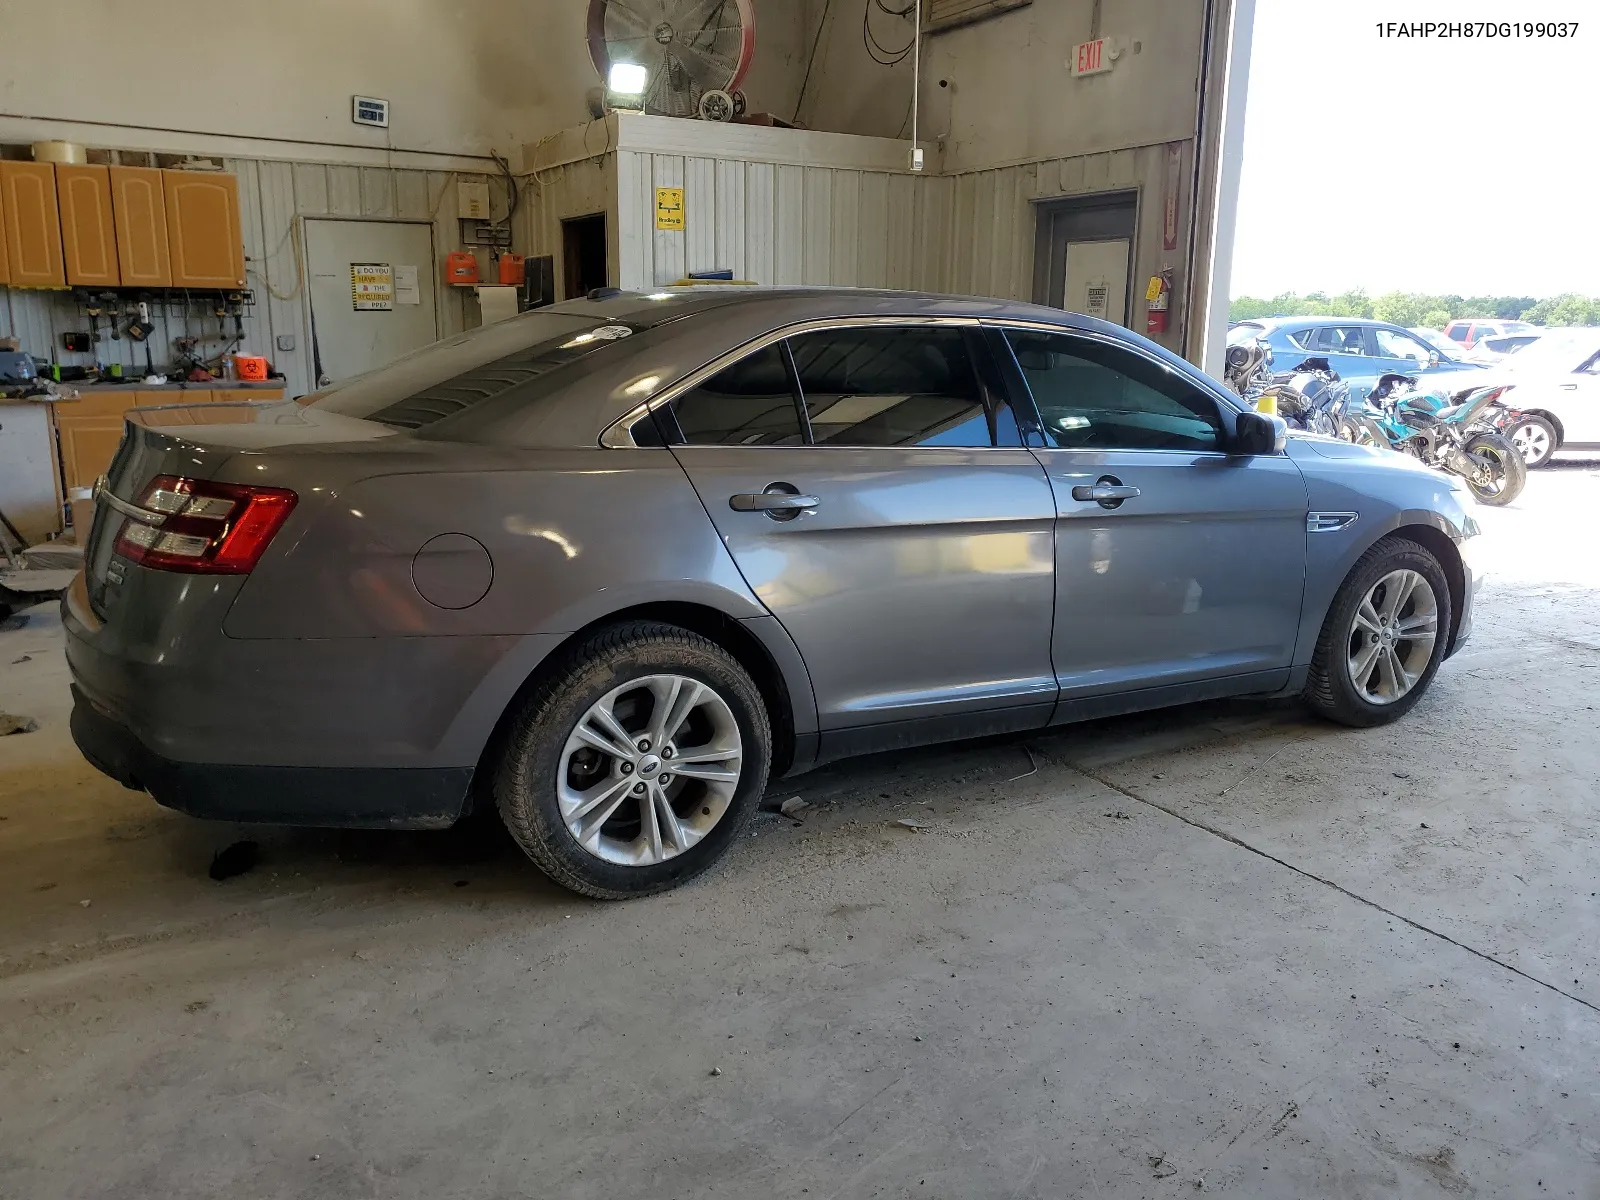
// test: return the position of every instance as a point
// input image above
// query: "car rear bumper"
(341, 797)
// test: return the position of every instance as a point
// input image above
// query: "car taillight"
(202, 527)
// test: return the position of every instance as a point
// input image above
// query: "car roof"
(1279, 322)
(647, 310)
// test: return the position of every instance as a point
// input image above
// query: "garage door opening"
(583, 254)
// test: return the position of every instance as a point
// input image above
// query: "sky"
(1419, 165)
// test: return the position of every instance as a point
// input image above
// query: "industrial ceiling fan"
(679, 58)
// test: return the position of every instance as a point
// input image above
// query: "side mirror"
(1257, 433)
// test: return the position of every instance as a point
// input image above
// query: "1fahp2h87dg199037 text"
(1477, 29)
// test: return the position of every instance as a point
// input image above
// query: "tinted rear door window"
(892, 386)
(750, 403)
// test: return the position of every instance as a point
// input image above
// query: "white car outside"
(1556, 383)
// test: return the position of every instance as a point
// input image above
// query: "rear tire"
(1512, 471)
(1535, 439)
(1357, 667)
(563, 777)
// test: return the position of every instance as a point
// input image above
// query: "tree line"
(1415, 309)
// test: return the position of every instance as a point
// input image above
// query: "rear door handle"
(1106, 492)
(771, 502)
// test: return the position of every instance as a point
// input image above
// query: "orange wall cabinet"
(5, 261)
(32, 224)
(139, 206)
(88, 236)
(207, 247)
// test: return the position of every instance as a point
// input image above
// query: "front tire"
(1384, 636)
(1509, 472)
(637, 763)
(1535, 439)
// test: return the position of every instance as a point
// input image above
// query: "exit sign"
(1092, 58)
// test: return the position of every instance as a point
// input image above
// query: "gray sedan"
(613, 564)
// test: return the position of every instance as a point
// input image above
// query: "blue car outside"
(1358, 350)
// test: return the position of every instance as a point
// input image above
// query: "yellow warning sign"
(372, 287)
(1154, 290)
(669, 208)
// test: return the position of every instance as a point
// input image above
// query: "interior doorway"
(583, 255)
(1083, 254)
(371, 292)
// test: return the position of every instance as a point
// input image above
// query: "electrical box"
(369, 110)
(473, 199)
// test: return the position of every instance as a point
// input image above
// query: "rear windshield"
(458, 373)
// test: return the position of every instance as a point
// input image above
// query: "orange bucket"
(252, 367)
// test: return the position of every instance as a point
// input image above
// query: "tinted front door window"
(1094, 395)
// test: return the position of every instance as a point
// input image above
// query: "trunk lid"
(195, 442)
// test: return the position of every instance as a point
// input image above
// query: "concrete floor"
(1223, 949)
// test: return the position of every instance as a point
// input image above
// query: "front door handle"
(779, 500)
(1107, 492)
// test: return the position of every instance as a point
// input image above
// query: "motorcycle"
(1461, 434)
(1311, 398)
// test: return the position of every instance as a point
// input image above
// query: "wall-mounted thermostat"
(365, 110)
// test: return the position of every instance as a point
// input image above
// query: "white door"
(1097, 279)
(372, 293)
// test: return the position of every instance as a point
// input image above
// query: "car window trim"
(1203, 384)
(619, 434)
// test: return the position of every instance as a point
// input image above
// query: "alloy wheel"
(1392, 636)
(649, 770)
(1532, 442)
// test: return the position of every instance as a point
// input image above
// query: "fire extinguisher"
(1157, 296)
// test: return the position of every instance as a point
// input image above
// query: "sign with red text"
(1092, 58)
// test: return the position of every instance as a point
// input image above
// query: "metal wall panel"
(667, 171)
(732, 216)
(789, 226)
(760, 221)
(701, 216)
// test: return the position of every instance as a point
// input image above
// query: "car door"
(871, 484)
(1176, 562)
(1578, 396)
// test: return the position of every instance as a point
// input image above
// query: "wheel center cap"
(648, 766)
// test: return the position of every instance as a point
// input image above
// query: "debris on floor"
(909, 823)
(11, 723)
(793, 807)
(1119, 815)
(234, 860)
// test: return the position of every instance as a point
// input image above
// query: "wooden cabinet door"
(139, 209)
(88, 236)
(207, 247)
(88, 445)
(5, 260)
(32, 224)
